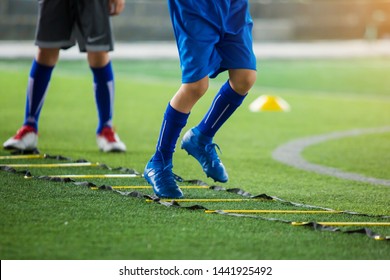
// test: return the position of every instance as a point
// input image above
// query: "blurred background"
(275, 20)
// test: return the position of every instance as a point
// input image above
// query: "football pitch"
(43, 219)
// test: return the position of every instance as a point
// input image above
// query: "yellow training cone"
(269, 103)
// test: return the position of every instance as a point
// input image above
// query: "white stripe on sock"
(41, 103)
(29, 92)
(111, 91)
(162, 135)
(212, 108)
(220, 115)
(30, 87)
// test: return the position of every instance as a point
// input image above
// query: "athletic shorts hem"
(214, 74)
(93, 48)
(55, 45)
(188, 78)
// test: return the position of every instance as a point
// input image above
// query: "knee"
(188, 94)
(243, 81)
(98, 59)
(48, 57)
(197, 89)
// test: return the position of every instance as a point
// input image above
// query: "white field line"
(290, 154)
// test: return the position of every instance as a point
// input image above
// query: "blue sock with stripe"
(173, 123)
(36, 92)
(104, 94)
(224, 104)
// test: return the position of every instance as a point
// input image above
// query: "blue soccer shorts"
(212, 36)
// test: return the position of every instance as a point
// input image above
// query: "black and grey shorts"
(63, 22)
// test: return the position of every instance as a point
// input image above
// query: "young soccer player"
(60, 24)
(212, 36)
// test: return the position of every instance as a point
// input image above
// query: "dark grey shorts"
(63, 22)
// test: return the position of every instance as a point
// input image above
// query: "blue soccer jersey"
(212, 36)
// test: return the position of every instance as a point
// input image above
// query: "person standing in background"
(60, 24)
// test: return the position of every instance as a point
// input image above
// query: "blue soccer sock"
(174, 121)
(36, 92)
(224, 104)
(104, 94)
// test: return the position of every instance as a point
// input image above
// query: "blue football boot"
(159, 175)
(201, 147)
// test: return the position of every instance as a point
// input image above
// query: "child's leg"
(175, 117)
(103, 77)
(198, 141)
(40, 75)
(172, 124)
(158, 171)
(104, 87)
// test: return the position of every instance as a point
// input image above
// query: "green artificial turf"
(41, 219)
